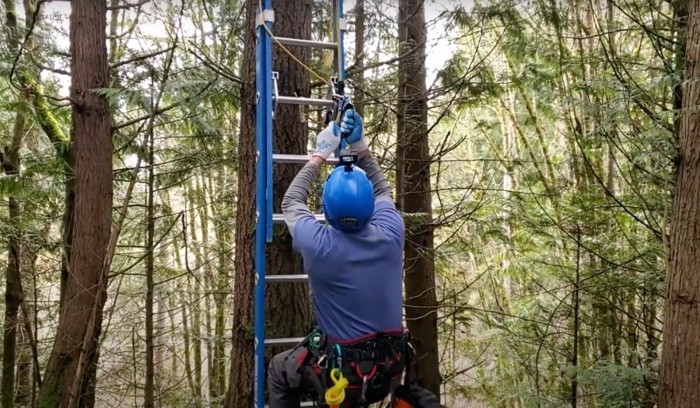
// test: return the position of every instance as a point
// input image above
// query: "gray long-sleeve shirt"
(356, 279)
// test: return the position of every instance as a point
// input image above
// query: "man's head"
(348, 199)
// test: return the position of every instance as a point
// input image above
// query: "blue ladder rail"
(264, 159)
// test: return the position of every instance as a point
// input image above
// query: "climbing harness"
(367, 369)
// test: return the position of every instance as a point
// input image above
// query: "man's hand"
(352, 129)
(327, 141)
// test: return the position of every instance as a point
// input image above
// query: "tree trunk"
(74, 355)
(10, 162)
(27, 368)
(680, 362)
(67, 223)
(188, 360)
(195, 295)
(202, 205)
(359, 97)
(509, 156)
(289, 314)
(149, 390)
(13, 283)
(223, 244)
(413, 183)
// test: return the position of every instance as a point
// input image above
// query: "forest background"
(540, 144)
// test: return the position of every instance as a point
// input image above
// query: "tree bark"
(13, 281)
(202, 204)
(289, 314)
(359, 97)
(195, 295)
(224, 241)
(74, 354)
(27, 360)
(680, 362)
(414, 193)
(188, 360)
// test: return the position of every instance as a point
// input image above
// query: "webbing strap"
(360, 363)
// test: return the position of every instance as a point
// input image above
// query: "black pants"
(285, 393)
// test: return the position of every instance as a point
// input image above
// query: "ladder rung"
(279, 218)
(306, 43)
(289, 341)
(286, 278)
(294, 100)
(298, 158)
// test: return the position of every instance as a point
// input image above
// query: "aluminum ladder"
(267, 99)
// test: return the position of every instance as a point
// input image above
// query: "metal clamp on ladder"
(267, 100)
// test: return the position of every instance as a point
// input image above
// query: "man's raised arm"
(385, 214)
(353, 127)
(367, 162)
(294, 203)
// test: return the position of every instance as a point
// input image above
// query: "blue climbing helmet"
(348, 199)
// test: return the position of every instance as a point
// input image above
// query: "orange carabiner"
(402, 403)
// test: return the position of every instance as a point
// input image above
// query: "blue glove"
(352, 130)
(327, 141)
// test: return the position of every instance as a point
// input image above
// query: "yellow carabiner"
(336, 394)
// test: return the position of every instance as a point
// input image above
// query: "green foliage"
(615, 385)
(553, 151)
(568, 123)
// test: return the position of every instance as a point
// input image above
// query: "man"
(355, 267)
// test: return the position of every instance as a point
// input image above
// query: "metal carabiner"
(339, 357)
(364, 388)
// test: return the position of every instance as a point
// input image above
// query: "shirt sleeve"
(389, 220)
(382, 191)
(310, 237)
(386, 216)
(305, 230)
(294, 207)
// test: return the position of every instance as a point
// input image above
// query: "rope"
(291, 54)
